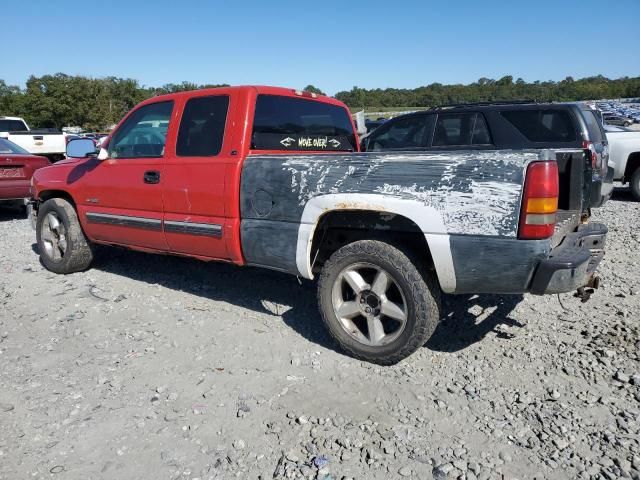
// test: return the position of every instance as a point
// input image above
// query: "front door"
(121, 196)
(194, 179)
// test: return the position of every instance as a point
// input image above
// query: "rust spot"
(358, 206)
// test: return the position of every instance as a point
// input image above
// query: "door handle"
(152, 176)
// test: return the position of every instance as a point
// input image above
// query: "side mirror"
(80, 148)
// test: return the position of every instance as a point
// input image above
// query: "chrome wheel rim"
(369, 304)
(54, 237)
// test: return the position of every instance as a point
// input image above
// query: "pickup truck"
(624, 153)
(272, 177)
(45, 142)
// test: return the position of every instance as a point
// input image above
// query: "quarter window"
(548, 125)
(144, 133)
(202, 127)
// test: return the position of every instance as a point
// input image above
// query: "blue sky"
(331, 44)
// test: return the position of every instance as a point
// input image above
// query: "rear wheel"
(634, 184)
(62, 244)
(375, 302)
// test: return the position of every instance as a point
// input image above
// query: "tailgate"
(40, 143)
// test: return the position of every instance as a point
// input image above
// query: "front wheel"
(634, 184)
(62, 244)
(375, 302)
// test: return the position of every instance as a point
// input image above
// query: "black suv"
(498, 126)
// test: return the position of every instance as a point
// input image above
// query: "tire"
(627, 124)
(634, 184)
(416, 294)
(62, 244)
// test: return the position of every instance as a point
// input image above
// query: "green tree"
(313, 89)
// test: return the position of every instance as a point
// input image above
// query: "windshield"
(7, 146)
(12, 126)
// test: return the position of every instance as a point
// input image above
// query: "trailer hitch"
(584, 294)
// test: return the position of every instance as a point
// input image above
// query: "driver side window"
(410, 132)
(144, 133)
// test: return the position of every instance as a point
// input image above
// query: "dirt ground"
(154, 367)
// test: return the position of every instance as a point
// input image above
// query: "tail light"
(540, 201)
(596, 163)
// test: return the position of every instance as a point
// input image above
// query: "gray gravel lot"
(154, 367)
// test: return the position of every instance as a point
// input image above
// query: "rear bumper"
(571, 264)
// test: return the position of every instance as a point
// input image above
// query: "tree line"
(486, 89)
(62, 100)
(56, 101)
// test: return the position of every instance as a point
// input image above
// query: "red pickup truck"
(272, 177)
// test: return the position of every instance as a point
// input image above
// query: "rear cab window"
(10, 125)
(290, 123)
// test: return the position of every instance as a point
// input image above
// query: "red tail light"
(587, 145)
(540, 201)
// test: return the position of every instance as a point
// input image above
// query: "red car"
(16, 168)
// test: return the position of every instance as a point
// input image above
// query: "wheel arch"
(633, 163)
(407, 221)
(45, 195)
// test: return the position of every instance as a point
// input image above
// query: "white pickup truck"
(624, 153)
(45, 142)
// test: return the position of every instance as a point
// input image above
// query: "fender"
(428, 219)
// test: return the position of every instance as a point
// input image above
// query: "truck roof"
(10, 118)
(259, 89)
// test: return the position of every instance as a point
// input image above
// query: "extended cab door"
(194, 177)
(120, 198)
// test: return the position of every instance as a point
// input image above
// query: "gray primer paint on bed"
(475, 192)
(495, 265)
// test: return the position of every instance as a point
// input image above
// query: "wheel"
(375, 302)
(62, 244)
(626, 124)
(634, 184)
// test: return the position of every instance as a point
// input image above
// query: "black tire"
(78, 251)
(420, 292)
(634, 184)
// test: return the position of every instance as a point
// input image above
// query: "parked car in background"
(503, 126)
(615, 119)
(16, 168)
(624, 152)
(268, 177)
(46, 142)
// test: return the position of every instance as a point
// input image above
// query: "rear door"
(120, 198)
(461, 130)
(193, 190)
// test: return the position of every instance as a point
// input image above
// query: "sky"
(333, 45)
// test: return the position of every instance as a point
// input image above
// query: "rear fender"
(428, 219)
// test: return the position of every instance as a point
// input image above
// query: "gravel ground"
(161, 367)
